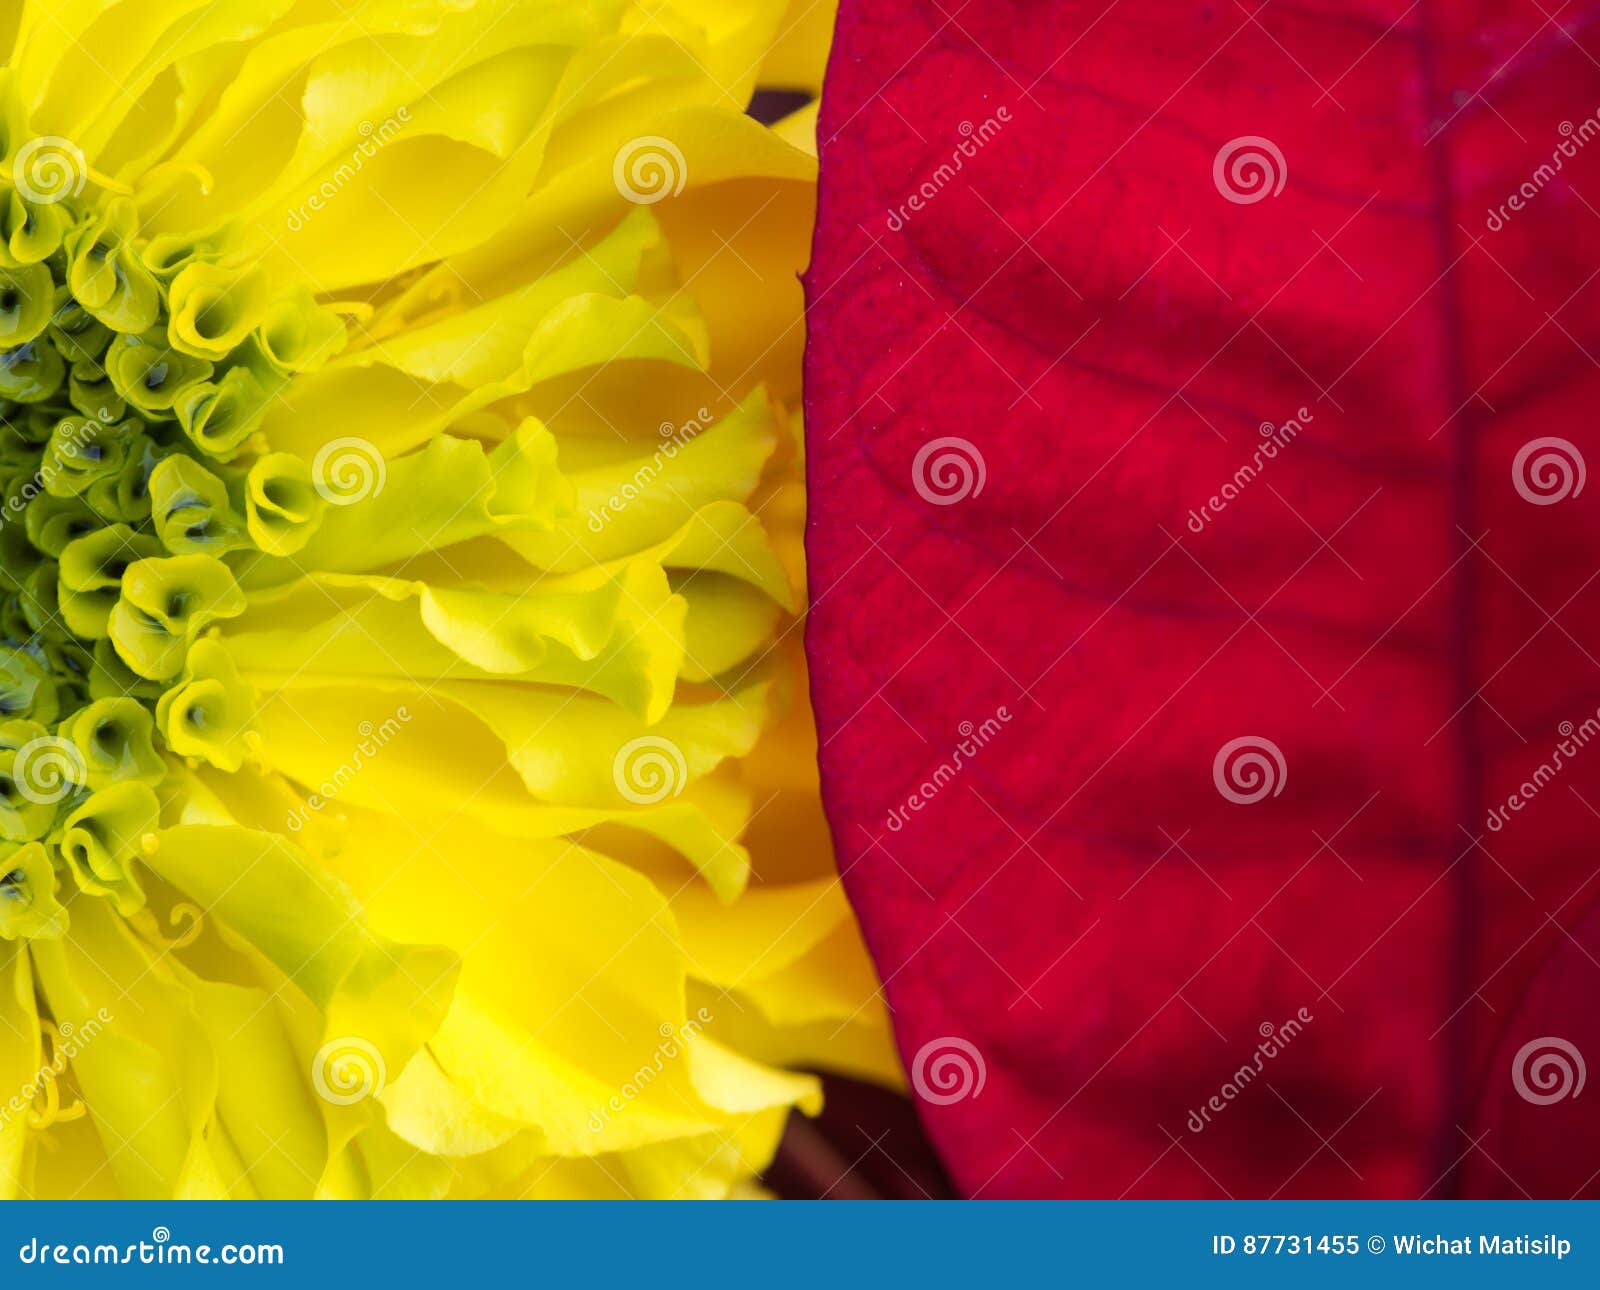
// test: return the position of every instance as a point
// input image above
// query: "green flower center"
(135, 490)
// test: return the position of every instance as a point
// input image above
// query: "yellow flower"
(405, 764)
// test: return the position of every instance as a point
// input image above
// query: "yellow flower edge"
(406, 771)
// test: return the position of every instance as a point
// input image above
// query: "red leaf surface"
(1390, 594)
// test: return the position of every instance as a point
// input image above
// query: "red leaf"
(1372, 597)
